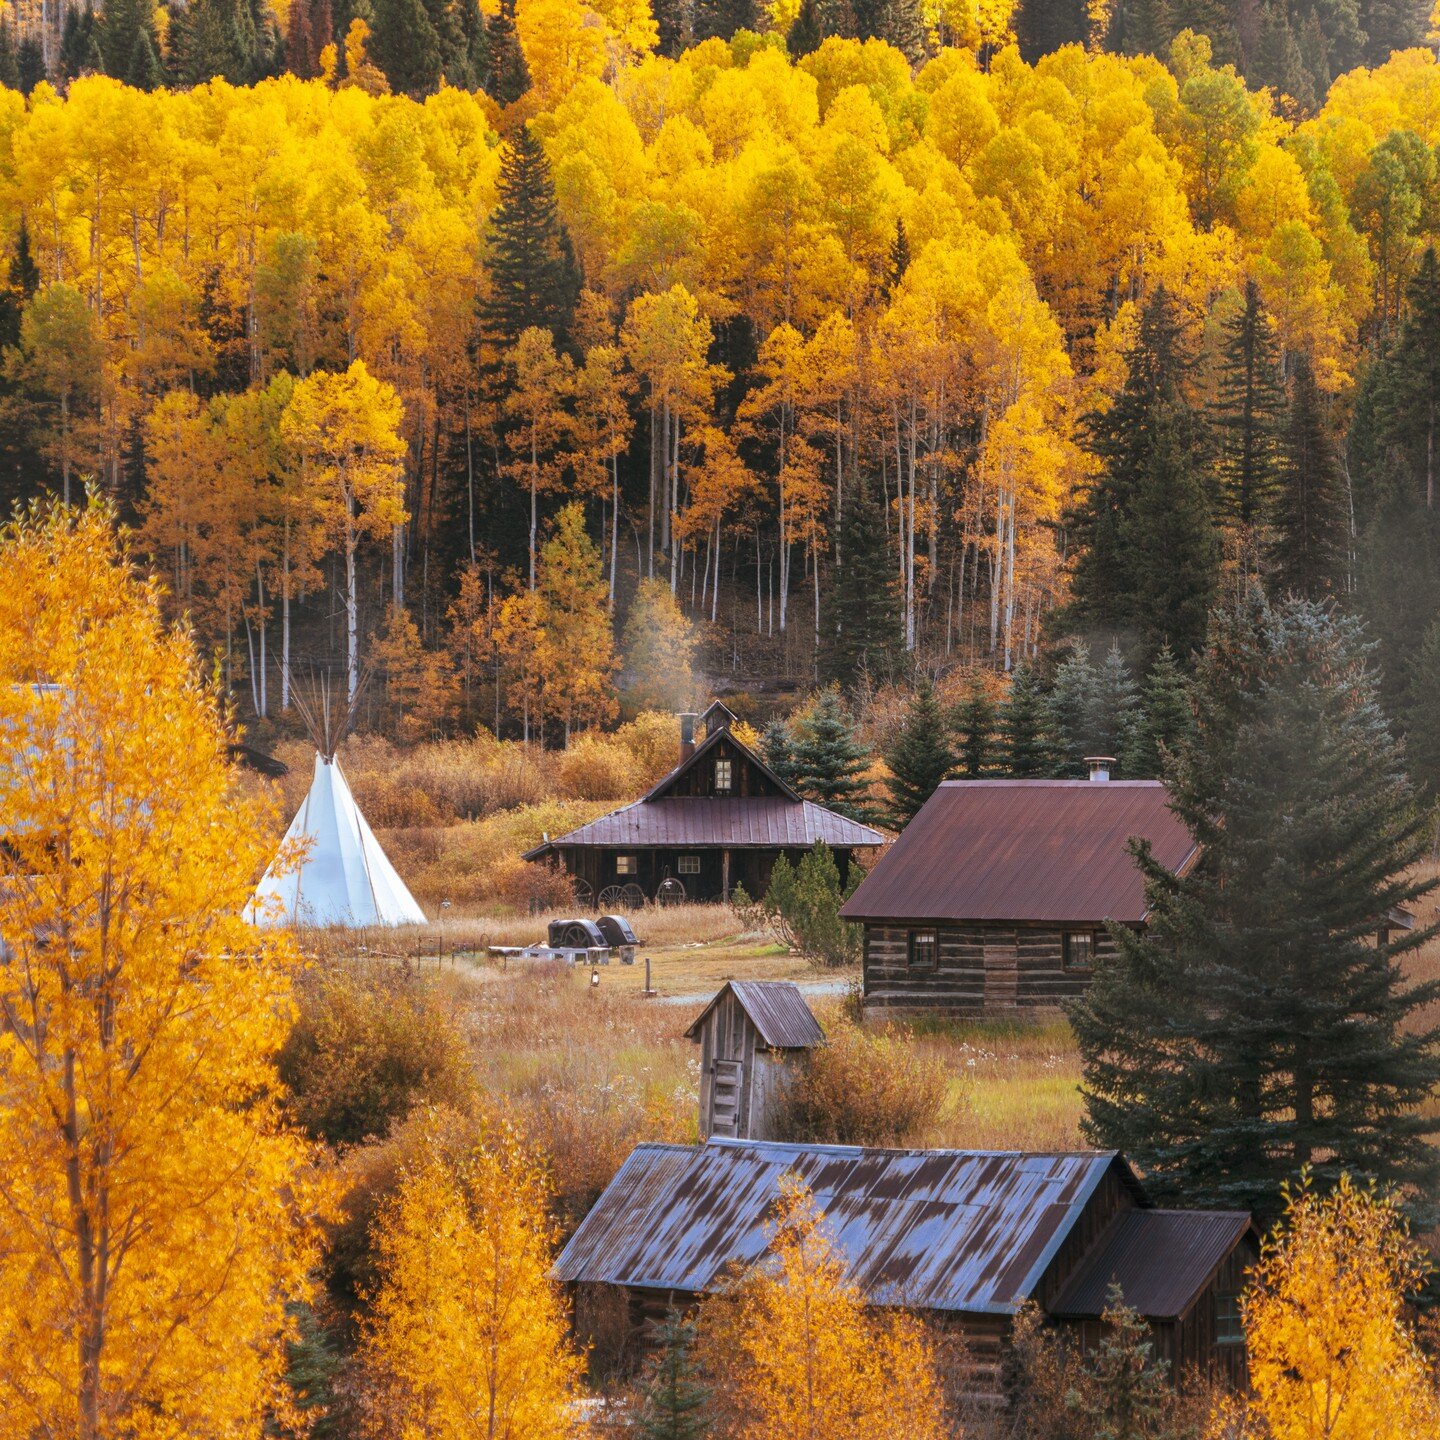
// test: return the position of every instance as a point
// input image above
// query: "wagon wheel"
(632, 897)
(671, 892)
(584, 892)
(611, 896)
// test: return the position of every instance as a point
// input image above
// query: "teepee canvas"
(345, 878)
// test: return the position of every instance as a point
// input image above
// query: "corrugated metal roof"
(776, 1008)
(1045, 850)
(961, 1230)
(700, 822)
(1161, 1259)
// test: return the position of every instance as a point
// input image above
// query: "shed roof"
(948, 1230)
(1162, 1260)
(696, 822)
(777, 1010)
(1043, 850)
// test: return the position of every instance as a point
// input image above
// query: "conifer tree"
(674, 1401)
(120, 30)
(1409, 386)
(1311, 514)
(975, 729)
(1025, 743)
(532, 271)
(1422, 715)
(804, 37)
(9, 65)
(404, 44)
(830, 762)
(1251, 403)
(1115, 705)
(899, 261)
(1262, 1022)
(1073, 704)
(723, 18)
(1163, 722)
(76, 38)
(30, 62)
(507, 77)
(861, 626)
(145, 71)
(1147, 555)
(922, 755)
(777, 745)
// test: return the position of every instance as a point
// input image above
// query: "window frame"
(687, 865)
(914, 944)
(1229, 1319)
(1069, 965)
(627, 865)
(728, 766)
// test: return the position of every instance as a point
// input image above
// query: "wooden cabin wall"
(1112, 1197)
(746, 778)
(750, 868)
(983, 968)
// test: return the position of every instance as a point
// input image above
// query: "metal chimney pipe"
(1100, 766)
(687, 735)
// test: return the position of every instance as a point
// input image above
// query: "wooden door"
(725, 1098)
(1002, 976)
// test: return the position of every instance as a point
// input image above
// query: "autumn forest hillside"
(833, 357)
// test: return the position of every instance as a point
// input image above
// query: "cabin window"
(1078, 950)
(924, 949)
(689, 864)
(723, 776)
(1229, 1326)
(627, 865)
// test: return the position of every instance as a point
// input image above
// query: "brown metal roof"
(777, 1010)
(952, 1230)
(1162, 1261)
(697, 822)
(1046, 850)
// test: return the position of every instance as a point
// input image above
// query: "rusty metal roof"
(701, 822)
(951, 1230)
(1162, 1261)
(777, 1010)
(1042, 850)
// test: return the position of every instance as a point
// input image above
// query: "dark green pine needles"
(673, 1401)
(1258, 1026)
(922, 755)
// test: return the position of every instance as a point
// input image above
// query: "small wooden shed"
(749, 1036)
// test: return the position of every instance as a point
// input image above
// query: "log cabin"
(995, 897)
(962, 1237)
(720, 819)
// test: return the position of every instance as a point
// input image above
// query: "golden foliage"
(154, 1209)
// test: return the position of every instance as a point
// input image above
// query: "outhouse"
(749, 1035)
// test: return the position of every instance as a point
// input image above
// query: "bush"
(803, 906)
(863, 1087)
(598, 767)
(370, 1042)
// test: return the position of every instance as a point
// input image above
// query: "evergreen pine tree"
(1409, 386)
(804, 37)
(1115, 706)
(899, 261)
(861, 620)
(532, 271)
(1025, 744)
(1073, 705)
(673, 1401)
(975, 727)
(722, 18)
(1311, 513)
(20, 463)
(30, 63)
(508, 77)
(120, 29)
(1422, 715)
(1258, 1025)
(1147, 556)
(468, 68)
(1249, 411)
(1163, 722)
(777, 745)
(405, 46)
(830, 762)
(76, 35)
(922, 755)
(145, 72)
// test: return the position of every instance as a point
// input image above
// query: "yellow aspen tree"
(600, 432)
(796, 1355)
(344, 432)
(540, 384)
(659, 647)
(518, 636)
(155, 1211)
(1333, 1355)
(466, 1333)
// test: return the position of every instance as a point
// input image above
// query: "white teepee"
(345, 878)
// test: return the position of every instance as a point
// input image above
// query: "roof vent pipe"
(687, 735)
(1099, 766)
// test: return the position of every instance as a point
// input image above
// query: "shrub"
(863, 1087)
(369, 1043)
(803, 906)
(598, 767)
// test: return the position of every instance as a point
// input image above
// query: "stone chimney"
(1100, 766)
(687, 735)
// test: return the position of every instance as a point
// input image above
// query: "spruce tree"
(532, 272)
(975, 729)
(507, 77)
(76, 35)
(861, 629)
(777, 745)
(1147, 555)
(830, 762)
(922, 755)
(145, 72)
(1073, 704)
(403, 43)
(1422, 715)
(1115, 706)
(722, 18)
(899, 261)
(121, 28)
(1163, 722)
(30, 63)
(1262, 1022)
(1025, 744)
(1409, 386)
(1251, 403)
(1311, 513)
(673, 1401)
(9, 65)
(804, 37)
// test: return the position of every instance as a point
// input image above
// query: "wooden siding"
(1111, 1198)
(595, 865)
(983, 968)
(746, 778)
(729, 1037)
